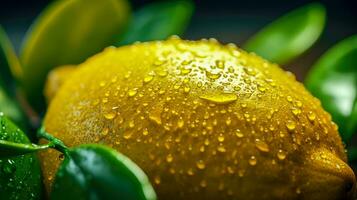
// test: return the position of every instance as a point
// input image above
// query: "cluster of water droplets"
(12, 179)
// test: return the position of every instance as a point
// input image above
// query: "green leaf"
(9, 149)
(333, 79)
(9, 63)
(98, 172)
(68, 32)
(20, 176)
(289, 36)
(157, 21)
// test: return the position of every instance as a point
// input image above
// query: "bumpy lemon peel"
(204, 121)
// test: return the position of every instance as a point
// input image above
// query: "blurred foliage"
(98, 172)
(333, 79)
(20, 176)
(158, 21)
(289, 36)
(9, 65)
(67, 32)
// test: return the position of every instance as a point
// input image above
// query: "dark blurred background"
(226, 20)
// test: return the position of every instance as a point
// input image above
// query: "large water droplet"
(252, 161)
(291, 125)
(281, 154)
(110, 115)
(200, 164)
(311, 115)
(261, 145)
(212, 75)
(220, 98)
(169, 158)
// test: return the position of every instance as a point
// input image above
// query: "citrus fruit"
(204, 121)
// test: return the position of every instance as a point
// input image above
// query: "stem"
(57, 143)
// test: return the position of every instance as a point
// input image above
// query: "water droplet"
(298, 191)
(127, 134)
(180, 123)
(261, 88)
(105, 131)
(203, 183)
(145, 131)
(228, 121)
(230, 170)
(187, 89)
(169, 158)
(220, 137)
(132, 92)
(252, 161)
(220, 64)
(148, 78)
(157, 180)
(190, 172)
(250, 71)
(281, 154)
(221, 149)
(161, 72)
(311, 115)
(9, 167)
(213, 76)
(110, 115)
(221, 98)
(61, 157)
(291, 125)
(295, 111)
(239, 133)
(261, 145)
(184, 71)
(200, 164)
(131, 123)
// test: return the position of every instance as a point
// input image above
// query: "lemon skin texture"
(204, 121)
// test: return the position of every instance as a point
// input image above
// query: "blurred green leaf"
(68, 32)
(98, 172)
(9, 63)
(157, 21)
(290, 35)
(333, 79)
(20, 176)
(10, 107)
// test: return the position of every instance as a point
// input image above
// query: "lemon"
(204, 121)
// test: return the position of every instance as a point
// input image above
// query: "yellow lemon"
(204, 121)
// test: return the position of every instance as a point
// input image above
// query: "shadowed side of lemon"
(204, 121)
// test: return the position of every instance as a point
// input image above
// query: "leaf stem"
(57, 143)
